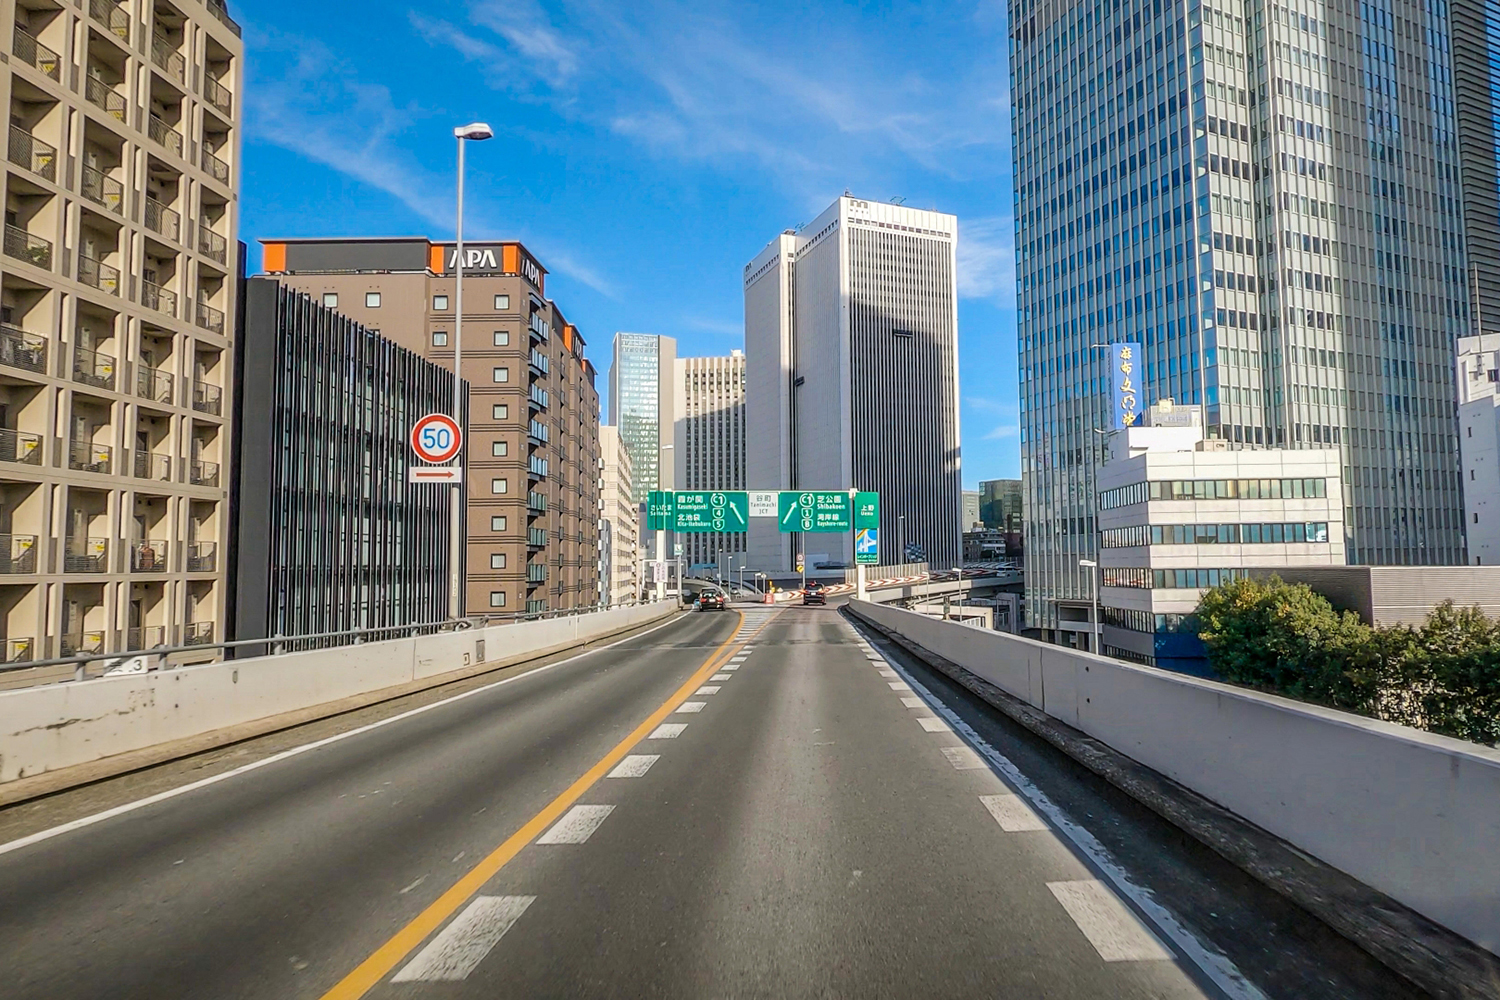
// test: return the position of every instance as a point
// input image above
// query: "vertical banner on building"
(1124, 370)
(660, 510)
(867, 528)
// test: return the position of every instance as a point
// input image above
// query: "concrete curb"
(63, 779)
(1420, 951)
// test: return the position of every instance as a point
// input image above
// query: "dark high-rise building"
(1475, 32)
(326, 533)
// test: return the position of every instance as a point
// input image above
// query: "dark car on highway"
(813, 594)
(712, 600)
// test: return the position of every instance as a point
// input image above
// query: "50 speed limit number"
(436, 438)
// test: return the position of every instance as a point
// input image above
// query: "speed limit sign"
(436, 438)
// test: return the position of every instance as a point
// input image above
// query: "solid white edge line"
(1215, 966)
(172, 793)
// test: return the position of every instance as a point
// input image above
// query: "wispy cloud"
(722, 327)
(987, 259)
(1001, 432)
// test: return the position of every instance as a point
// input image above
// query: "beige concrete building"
(116, 296)
(532, 453)
(619, 523)
(709, 447)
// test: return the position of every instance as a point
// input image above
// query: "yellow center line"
(372, 970)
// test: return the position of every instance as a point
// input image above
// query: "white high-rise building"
(709, 444)
(640, 405)
(1264, 197)
(619, 523)
(851, 333)
(1478, 377)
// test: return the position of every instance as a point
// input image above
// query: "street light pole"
(475, 132)
(959, 575)
(1093, 568)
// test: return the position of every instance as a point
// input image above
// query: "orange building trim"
(273, 257)
(435, 259)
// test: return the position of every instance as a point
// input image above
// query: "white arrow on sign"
(435, 474)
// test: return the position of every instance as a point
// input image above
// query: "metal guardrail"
(280, 643)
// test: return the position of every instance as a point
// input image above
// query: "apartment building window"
(439, 338)
(499, 485)
(502, 302)
(502, 374)
(497, 598)
(331, 300)
(440, 303)
(500, 411)
(497, 523)
(372, 300)
(497, 560)
(499, 449)
(502, 338)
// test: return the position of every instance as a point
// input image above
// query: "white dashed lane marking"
(887, 673)
(730, 667)
(635, 766)
(1109, 925)
(667, 731)
(963, 759)
(899, 686)
(913, 702)
(933, 725)
(1012, 813)
(462, 945)
(689, 707)
(719, 677)
(707, 689)
(577, 826)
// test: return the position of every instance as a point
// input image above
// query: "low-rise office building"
(532, 456)
(328, 536)
(1477, 377)
(1179, 514)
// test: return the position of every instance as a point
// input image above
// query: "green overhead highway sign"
(659, 510)
(811, 511)
(711, 510)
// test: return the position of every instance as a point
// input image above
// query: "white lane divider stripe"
(963, 758)
(934, 725)
(898, 686)
(577, 826)
(667, 731)
(635, 765)
(689, 707)
(719, 677)
(913, 702)
(462, 945)
(1109, 925)
(731, 667)
(1012, 813)
(708, 689)
(887, 672)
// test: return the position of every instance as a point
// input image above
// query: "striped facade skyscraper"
(709, 443)
(1266, 198)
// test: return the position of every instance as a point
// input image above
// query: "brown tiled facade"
(117, 292)
(532, 451)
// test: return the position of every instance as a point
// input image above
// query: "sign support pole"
(859, 582)
(661, 557)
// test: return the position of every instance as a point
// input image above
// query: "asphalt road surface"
(756, 803)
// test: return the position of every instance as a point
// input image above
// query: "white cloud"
(987, 259)
(1001, 432)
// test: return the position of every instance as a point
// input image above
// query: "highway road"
(759, 803)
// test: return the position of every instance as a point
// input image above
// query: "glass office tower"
(1266, 198)
(640, 405)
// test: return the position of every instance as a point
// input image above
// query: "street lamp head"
(475, 131)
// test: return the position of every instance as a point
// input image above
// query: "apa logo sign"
(475, 258)
(531, 271)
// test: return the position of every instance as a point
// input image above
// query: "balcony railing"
(103, 190)
(85, 456)
(164, 134)
(102, 95)
(218, 95)
(26, 150)
(212, 245)
(17, 554)
(536, 573)
(20, 650)
(23, 246)
(112, 16)
(208, 398)
(161, 219)
(148, 557)
(197, 633)
(217, 168)
(218, 10)
(203, 473)
(536, 537)
(20, 447)
(98, 274)
(81, 643)
(20, 349)
(209, 318)
(202, 557)
(163, 300)
(93, 368)
(146, 637)
(34, 53)
(153, 384)
(157, 468)
(86, 555)
(165, 55)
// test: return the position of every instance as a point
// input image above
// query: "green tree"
(1460, 683)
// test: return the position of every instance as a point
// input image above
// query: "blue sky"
(646, 150)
